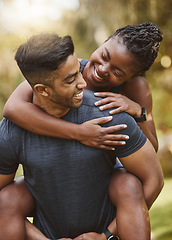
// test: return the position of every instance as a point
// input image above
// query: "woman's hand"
(120, 102)
(93, 135)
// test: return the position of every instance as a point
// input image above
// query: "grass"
(161, 213)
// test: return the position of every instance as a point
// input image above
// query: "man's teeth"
(78, 94)
(97, 76)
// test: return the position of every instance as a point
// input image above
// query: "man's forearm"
(33, 233)
(113, 227)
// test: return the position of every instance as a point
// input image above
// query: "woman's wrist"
(78, 132)
(138, 111)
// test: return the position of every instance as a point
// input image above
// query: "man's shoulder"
(136, 137)
(4, 127)
(6, 124)
(88, 109)
(89, 98)
(89, 103)
(6, 134)
(9, 146)
(9, 130)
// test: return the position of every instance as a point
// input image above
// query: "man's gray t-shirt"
(68, 180)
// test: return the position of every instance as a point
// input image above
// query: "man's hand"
(118, 101)
(64, 239)
(93, 135)
(91, 236)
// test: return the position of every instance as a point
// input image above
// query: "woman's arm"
(135, 94)
(138, 90)
(20, 110)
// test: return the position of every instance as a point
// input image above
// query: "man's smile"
(78, 95)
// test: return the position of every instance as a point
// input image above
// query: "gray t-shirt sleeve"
(8, 159)
(136, 137)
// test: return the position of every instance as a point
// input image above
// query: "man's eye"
(71, 81)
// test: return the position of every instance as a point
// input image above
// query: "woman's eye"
(117, 74)
(103, 56)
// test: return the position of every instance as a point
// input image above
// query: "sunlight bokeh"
(18, 15)
(166, 61)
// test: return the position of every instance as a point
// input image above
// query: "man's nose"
(81, 82)
(104, 69)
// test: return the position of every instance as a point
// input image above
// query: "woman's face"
(110, 66)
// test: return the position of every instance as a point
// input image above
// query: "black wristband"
(142, 118)
(109, 235)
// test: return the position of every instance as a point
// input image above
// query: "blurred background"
(90, 22)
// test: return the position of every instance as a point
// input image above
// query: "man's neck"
(50, 107)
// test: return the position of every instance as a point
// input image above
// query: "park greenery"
(89, 25)
(161, 214)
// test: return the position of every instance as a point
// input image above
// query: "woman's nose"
(104, 69)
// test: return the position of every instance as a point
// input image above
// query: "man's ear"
(42, 89)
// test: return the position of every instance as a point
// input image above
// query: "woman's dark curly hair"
(142, 41)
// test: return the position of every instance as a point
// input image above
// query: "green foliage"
(10, 76)
(161, 213)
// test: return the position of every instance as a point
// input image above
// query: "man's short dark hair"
(41, 55)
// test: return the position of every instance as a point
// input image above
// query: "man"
(69, 181)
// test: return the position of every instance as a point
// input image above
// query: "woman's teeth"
(97, 76)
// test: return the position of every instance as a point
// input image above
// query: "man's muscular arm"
(33, 233)
(145, 165)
